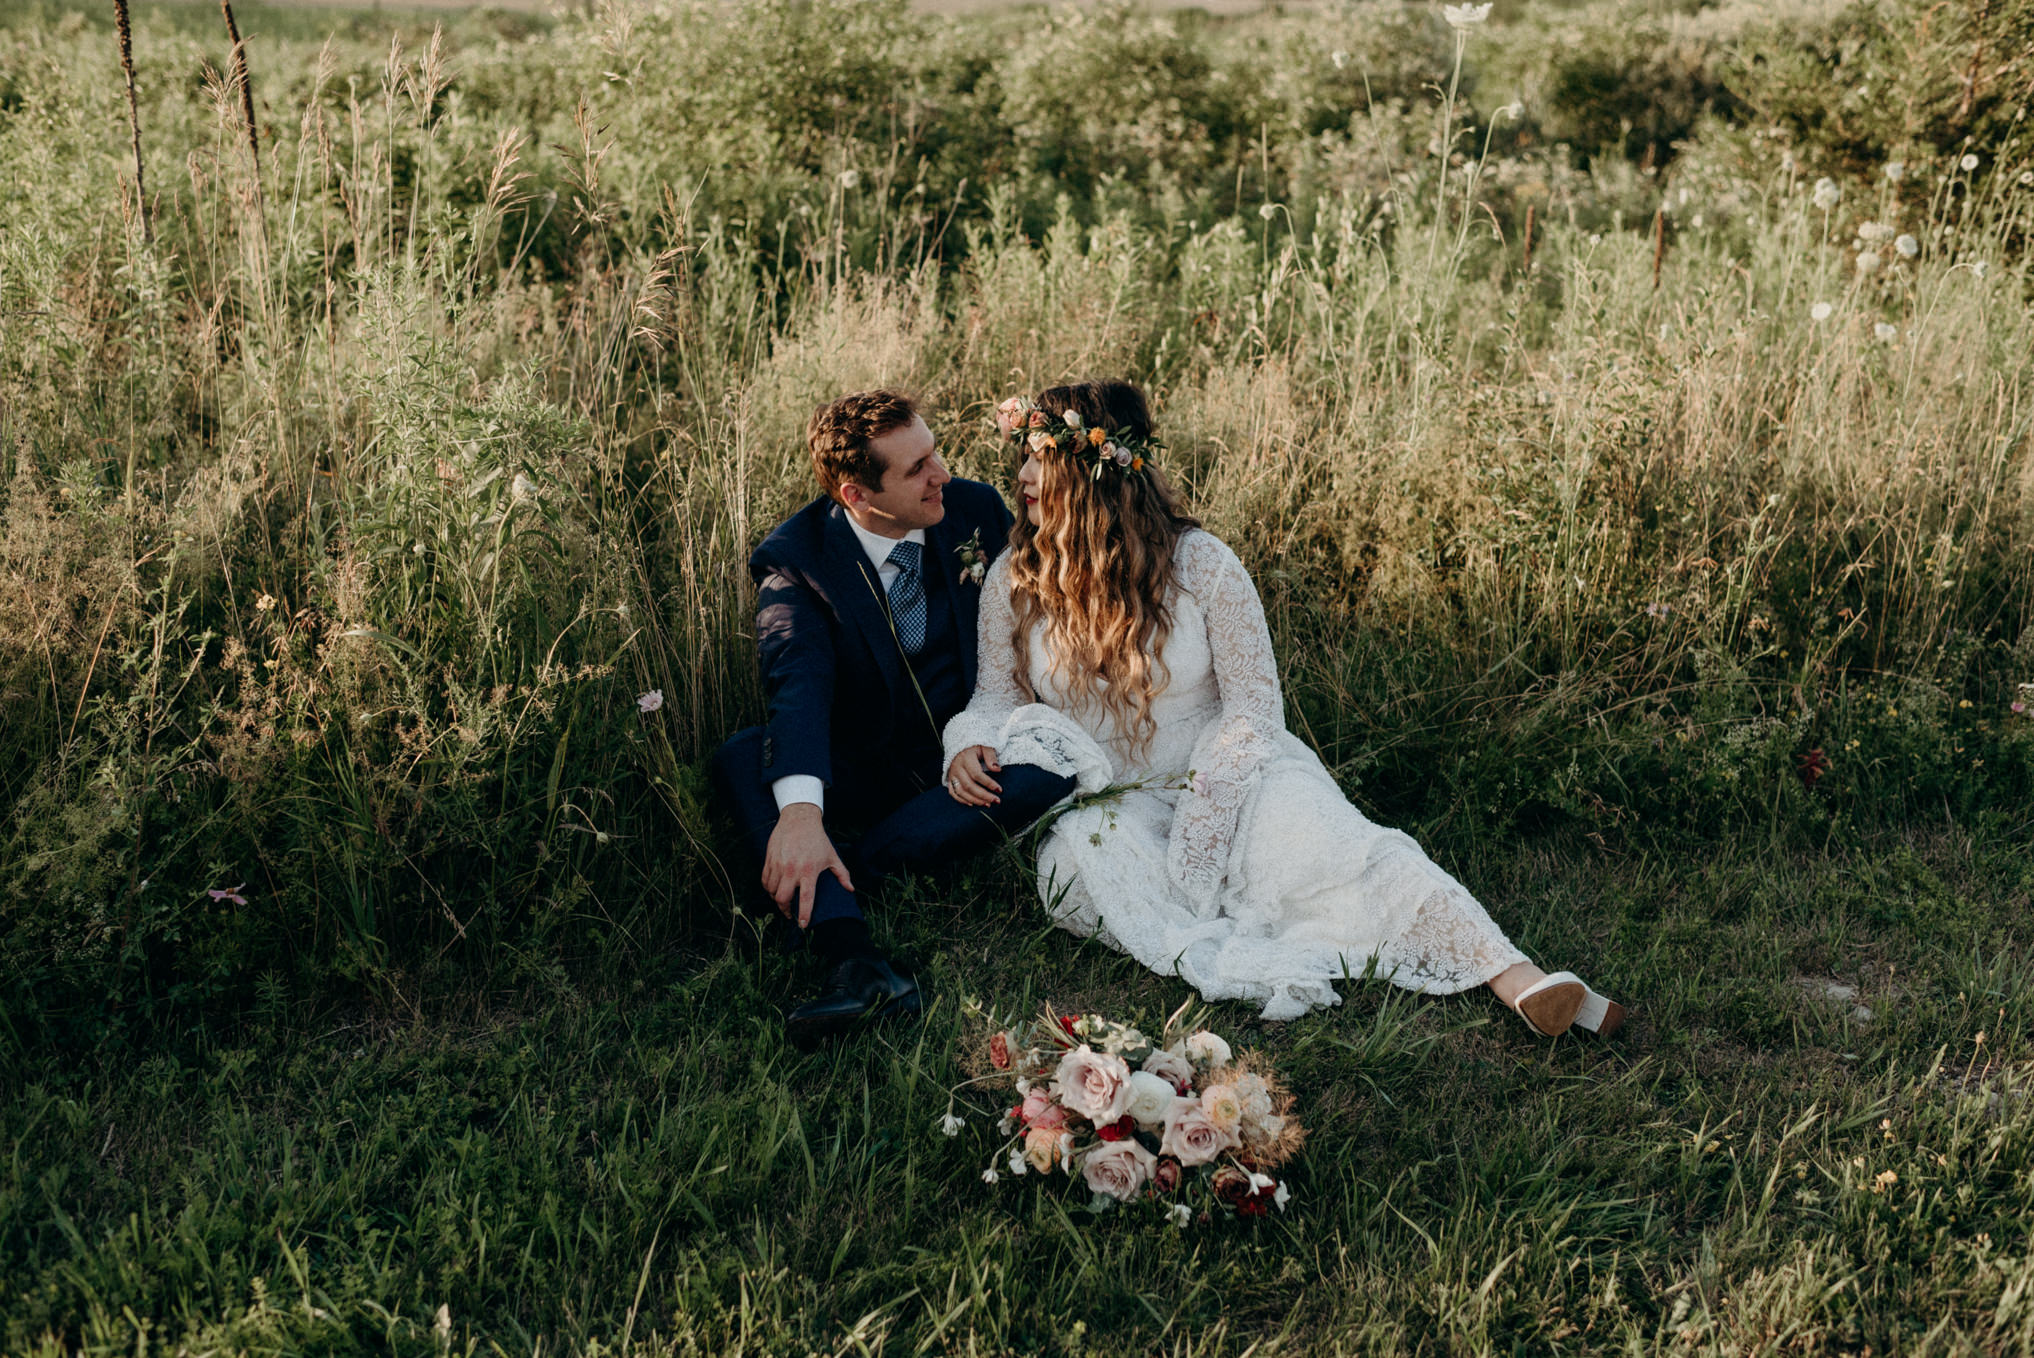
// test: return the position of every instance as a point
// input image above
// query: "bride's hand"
(967, 778)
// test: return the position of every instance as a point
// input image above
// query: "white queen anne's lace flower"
(1886, 333)
(1968, 163)
(1827, 194)
(1896, 170)
(1465, 16)
(1821, 311)
(1907, 246)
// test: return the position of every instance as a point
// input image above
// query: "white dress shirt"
(805, 787)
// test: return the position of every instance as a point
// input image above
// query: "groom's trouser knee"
(933, 830)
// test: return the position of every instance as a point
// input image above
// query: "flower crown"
(1104, 450)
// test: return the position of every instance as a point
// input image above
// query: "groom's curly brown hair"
(840, 432)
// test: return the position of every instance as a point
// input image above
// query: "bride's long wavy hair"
(1099, 569)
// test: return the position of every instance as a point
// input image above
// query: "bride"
(1124, 646)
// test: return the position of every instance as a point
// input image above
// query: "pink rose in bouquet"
(1192, 1135)
(1118, 1169)
(1041, 1112)
(1095, 1085)
(1171, 1066)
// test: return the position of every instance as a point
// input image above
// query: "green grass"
(342, 523)
(645, 1165)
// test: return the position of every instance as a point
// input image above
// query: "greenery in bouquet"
(1181, 1121)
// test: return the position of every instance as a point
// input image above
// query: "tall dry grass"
(347, 519)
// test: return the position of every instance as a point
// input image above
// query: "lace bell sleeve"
(996, 694)
(1234, 748)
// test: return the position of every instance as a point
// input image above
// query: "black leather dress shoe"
(862, 989)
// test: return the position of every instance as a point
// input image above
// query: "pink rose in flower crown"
(1041, 1112)
(1192, 1135)
(1095, 1085)
(1118, 1169)
(1171, 1066)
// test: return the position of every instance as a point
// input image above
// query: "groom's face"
(914, 480)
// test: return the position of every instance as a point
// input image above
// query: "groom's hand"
(968, 780)
(799, 851)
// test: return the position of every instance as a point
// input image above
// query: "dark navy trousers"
(911, 820)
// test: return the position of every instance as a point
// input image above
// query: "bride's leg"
(1507, 984)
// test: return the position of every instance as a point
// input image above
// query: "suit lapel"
(858, 591)
(942, 548)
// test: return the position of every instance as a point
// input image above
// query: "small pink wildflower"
(231, 893)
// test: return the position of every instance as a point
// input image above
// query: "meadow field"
(1623, 408)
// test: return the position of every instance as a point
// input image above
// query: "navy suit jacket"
(839, 692)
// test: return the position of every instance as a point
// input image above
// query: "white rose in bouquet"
(1208, 1049)
(1151, 1098)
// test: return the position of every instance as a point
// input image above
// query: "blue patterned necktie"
(907, 597)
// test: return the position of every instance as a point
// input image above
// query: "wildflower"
(1017, 1165)
(647, 703)
(1180, 1214)
(1821, 311)
(1886, 333)
(2027, 179)
(1282, 1197)
(1907, 246)
(1461, 17)
(1968, 163)
(2018, 709)
(1873, 232)
(1340, 59)
(850, 178)
(1658, 610)
(1811, 766)
(1826, 193)
(232, 893)
(1513, 110)
(1896, 170)
(1267, 210)
(1868, 262)
(951, 1125)
(989, 1175)
(1977, 269)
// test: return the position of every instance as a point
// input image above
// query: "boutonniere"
(974, 561)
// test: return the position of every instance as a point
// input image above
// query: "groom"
(865, 619)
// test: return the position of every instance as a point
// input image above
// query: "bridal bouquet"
(1134, 1118)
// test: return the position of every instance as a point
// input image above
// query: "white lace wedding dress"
(1257, 880)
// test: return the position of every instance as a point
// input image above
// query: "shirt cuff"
(793, 788)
